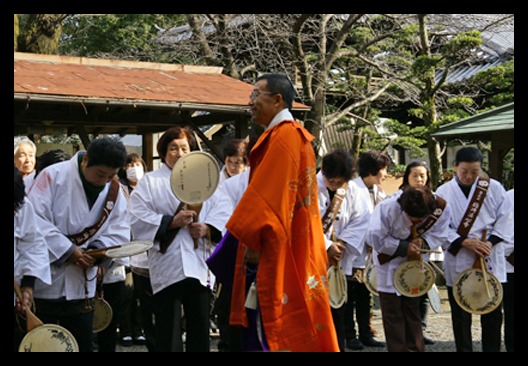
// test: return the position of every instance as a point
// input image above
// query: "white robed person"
(464, 193)
(31, 259)
(389, 234)
(80, 206)
(345, 216)
(178, 273)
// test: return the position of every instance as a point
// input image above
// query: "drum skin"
(470, 293)
(102, 315)
(130, 249)
(194, 177)
(49, 338)
(370, 278)
(337, 286)
(434, 298)
(414, 278)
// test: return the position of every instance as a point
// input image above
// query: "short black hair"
(174, 133)
(338, 163)
(50, 157)
(280, 84)
(469, 154)
(106, 151)
(371, 162)
(417, 201)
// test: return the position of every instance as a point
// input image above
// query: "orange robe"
(278, 216)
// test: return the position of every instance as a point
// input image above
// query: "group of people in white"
(77, 205)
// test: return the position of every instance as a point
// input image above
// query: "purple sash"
(223, 259)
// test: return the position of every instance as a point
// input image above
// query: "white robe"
(493, 216)
(388, 225)
(150, 200)
(508, 245)
(30, 250)
(360, 261)
(350, 224)
(60, 202)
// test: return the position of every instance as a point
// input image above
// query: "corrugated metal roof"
(498, 119)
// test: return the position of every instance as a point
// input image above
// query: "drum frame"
(493, 283)
(57, 332)
(406, 290)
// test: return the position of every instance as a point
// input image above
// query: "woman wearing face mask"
(131, 321)
(132, 172)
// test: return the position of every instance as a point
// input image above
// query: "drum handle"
(32, 321)
(99, 253)
(483, 265)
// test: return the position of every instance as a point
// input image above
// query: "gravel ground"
(439, 329)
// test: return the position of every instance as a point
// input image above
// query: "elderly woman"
(178, 272)
(25, 159)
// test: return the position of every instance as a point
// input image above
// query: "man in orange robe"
(278, 225)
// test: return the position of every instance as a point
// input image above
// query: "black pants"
(130, 320)
(72, 315)
(195, 300)
(359, 300)
(114, 294)
(230, 336)
(143, 291)
(508, 303)
(491, 325)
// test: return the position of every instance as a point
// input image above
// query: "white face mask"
(135, 173)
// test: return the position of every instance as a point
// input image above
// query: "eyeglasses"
(256, 93)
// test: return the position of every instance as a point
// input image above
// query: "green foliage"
(121, 35)
(461, 45)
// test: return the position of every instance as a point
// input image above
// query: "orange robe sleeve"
(279, 216)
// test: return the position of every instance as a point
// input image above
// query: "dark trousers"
(491, 325)
(508, 303)
(114, 294)
(359, 300)
(195, 300)
(230, 336)
(402, 323)
(130, 320)
(424, 310)
(338, 316)
(143, 291)
(67, 315)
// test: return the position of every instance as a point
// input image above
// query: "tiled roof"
(111, 80)
(498, 119)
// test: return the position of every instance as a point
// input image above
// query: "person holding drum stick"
(417, 175)
(394, 242)
(31, 260)
(183, 239)
(372, 169)
(280, 238)
(345, 217)
(233, 182)
(478, 205)
(508, 287)
(80, 207)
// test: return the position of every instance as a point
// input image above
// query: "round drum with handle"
(49, 338)
(413, 278)
(102, 314)
(434, 298)
(337, 286)
(471, 294)
(370, 278)
(194, 179)
(122, 250)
